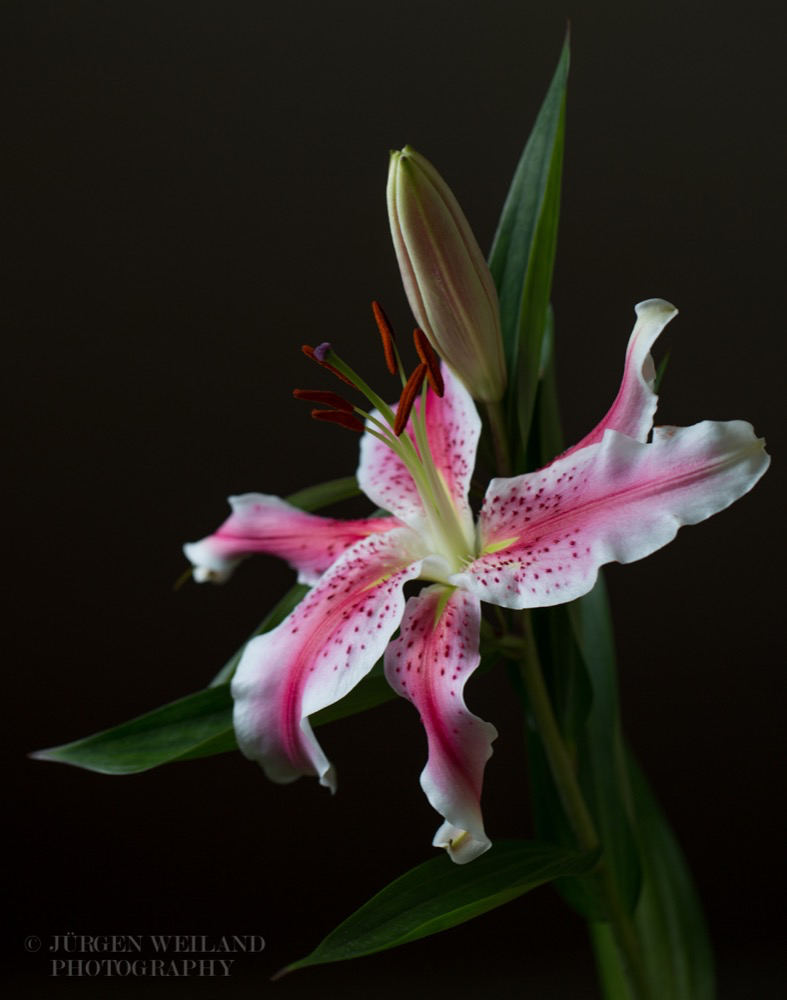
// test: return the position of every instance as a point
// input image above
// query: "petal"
(319, 653)
(545, 535)
(263, 523)
(635, 404)
(453, 428)
(429, 664)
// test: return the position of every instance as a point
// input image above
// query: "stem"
(497, 427)
(576, 810)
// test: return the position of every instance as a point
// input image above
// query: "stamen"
(348, 420)
(387, 334)
(310, 352)
(331, 399)
(409, 393)
(183, 578)
(429, 358)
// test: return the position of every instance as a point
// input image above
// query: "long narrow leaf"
(274, 617)
(669, 918)
(669, 921)
(199, 725)
(309, 499)
(324, 494)
(603, 774)
(523, 253)
(439, 894)
(602, 768)
(196, 726)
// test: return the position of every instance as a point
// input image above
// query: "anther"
(429, 358)
(387, 334)
(410, 391)
(310, 352)
(348, 420)
(332, 399)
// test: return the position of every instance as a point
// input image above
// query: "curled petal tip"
(209, 566)
(202, 574)
(460, 845)
(652, 307)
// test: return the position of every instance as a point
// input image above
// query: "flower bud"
(448, 284)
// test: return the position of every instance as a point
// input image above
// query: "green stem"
(497, 427)
(576, 809)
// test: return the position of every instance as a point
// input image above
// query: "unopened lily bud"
(448, 284)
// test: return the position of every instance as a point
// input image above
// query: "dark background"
(195, 189)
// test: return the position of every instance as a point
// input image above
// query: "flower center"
(450, 535)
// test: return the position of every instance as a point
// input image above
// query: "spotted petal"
(453, 428)
(635, 404)
(263, 523)
(319, 653)
(429, 665)
(544, 535)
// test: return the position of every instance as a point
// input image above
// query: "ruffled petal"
(635, 404)
(544, 535)
(319, 653)
(429, 664)
(453, 428)
(263, 523)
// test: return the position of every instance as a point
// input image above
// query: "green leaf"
(196, 726)
(274, 617)
(440, 894)
(597, 744)
(523, 252)
(548, 423)
(324, 494)
(567, 679)
(661, 371)
(603, 774)
(310, 499)
(611, 975)
(373, 690)
(668, 919)
(199, 725)
(564, 669)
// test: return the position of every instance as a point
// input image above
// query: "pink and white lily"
(539, 540)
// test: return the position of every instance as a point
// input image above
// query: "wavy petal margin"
(635, 404)
(453, 428)
(429, 665)
(263, 523)
(319, 653)
(545, 535)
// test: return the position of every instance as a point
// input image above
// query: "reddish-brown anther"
(331, 399)
(427, 355)
(310, 353)
(410, 391)
(348, 420)
(387, 334)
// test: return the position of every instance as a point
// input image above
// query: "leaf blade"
(523, 251)
(324, 494)
(274, 617)
(198, 725)
(668, 919)
(438, 894)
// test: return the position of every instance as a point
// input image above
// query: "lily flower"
(539, 540)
